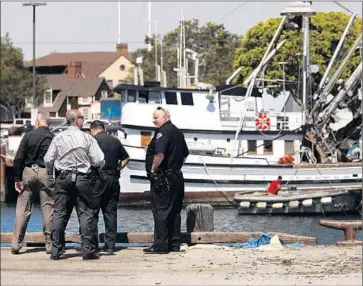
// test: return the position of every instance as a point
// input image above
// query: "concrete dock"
(204, 265)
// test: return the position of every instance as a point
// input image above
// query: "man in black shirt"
(31, 178)
(165, 157)
(116, 158)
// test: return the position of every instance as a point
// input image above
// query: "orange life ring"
(262, 121)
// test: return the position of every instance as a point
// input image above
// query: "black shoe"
(152, 250)
(15, 251)
(90, 256)
(54, 257)
(175, 249)
(108, 250)
(62, 251)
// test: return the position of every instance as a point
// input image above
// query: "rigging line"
(229, 12)
(224, 194)
(343, 7)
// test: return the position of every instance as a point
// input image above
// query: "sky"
(93, 26)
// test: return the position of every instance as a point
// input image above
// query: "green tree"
(213, 42)
(326, 31)
(16, 81)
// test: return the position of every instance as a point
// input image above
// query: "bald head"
(160, 116)
(42, 119)
(74, 118)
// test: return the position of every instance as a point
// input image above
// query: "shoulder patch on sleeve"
(158, 136)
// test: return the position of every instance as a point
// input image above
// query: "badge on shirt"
(158, 136)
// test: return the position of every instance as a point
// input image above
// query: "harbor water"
(140, 220)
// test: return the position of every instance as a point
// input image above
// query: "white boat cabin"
(210, 119)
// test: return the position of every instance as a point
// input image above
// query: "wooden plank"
(190, 238)
(327, 165)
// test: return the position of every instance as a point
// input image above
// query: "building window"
(252, 146)
(170, 98)
(84, 99)
(122, 67)
(28, 102)
(104, 94)
(85, 113)
(187, 98)
(289, 147)
(110, 83)
(48, 97)
(268, 147)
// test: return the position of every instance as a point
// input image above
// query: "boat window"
(143, 96)
(289, 147)
(123, 96)
(267, 146)
(155, 97)
(282, 123)
(131, 96)
(170, 97)
(187, 98)
(252, 147)
(145, 138)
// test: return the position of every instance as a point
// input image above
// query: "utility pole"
(34, 5)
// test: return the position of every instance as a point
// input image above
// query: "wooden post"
(2, 174)
(199, 218)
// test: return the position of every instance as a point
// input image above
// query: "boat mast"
(252, 84)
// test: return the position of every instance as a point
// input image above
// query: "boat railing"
(309, 155)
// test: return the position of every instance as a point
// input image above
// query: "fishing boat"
(241, 137)
(293, 202)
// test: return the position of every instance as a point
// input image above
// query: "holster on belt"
(96, 175)
(160, 181)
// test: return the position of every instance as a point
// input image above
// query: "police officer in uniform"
(73, 154)
(31, 179)
(116, 158)
(165, 157)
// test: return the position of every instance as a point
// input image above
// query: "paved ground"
(318, 265)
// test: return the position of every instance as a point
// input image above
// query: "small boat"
(299, 202)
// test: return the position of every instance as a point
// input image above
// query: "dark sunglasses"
(162, 109)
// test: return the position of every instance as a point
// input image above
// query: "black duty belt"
(34, 166)
(110, 172)
(57, 173)
(170, 171)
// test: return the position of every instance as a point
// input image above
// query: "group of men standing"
(75, 169)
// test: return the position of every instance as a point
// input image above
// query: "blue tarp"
(264, 239)
(254, 242)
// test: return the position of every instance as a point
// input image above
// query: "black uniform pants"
(166, 206)
(107, 198)
(82, 193)
(70, 205)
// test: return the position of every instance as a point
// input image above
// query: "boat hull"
(324, 204)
